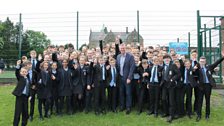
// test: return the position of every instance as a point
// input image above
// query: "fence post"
(189, 43)
(214, 22)
(220, 54)
(199, 35)
(20, 35)
(77, 32)
(138, 26)
(210, 46)
(205, 41)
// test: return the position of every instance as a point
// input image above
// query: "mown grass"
(8, 74)
(7, 104)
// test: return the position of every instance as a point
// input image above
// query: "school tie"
(186, 76)
(33, 64)
(154, 74)
(166, 73)
(204, 74)
(27, 87)
(113, 76)
(103, 72)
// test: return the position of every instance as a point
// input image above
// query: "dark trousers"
(168, 100)
(88, 99)
(32, 102)
(21, 107)
(55, 103)
(206, 91)
(125, 93)
(135, 91)
(46, 103)
(68, 104)
(196, 98)
(187, 91)
(77, 102)
(100, 97)
(112, 97)
(141, 95)
(179, 95)
(154, 95)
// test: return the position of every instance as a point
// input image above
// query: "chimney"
(126, 30)
(105, 30)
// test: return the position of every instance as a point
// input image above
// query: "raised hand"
(195, 67)
(108, 67)
(117, 39)
(40, 57)
(18, 62)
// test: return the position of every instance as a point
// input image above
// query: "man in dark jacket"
(125, 66)
(206, 82)
(21, 92)
(170, 74)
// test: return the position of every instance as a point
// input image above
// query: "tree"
(9, 42)
(36, 40)
(1, 43)
(8, 34)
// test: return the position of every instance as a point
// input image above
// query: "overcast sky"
(161, 21)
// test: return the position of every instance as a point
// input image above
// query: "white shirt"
(122, 59)
(156, 77)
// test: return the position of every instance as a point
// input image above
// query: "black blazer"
(101, 76)
(196, 72)
(20, 86)
(210, 70)
(180, 80)
(190, 75)
(109, 77)
(159, 73)
(96, 76)
(45, 87)
(80, 75)
(62, 73)
(173, 74)
(144, 80)
(55, 82)
(137, 70)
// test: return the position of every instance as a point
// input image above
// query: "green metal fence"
(210, 36)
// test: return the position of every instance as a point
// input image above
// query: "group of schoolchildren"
(67, 80)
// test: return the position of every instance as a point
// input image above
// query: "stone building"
(108, 37)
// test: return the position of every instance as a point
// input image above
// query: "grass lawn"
(8, 74)
(7, 104)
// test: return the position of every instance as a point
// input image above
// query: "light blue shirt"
(192, 63)
(113, 73)
(122, 59)
(156, 77)
(30, 74)
(103, 71)
(185, 76)
(206, 78)
(25, 90)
